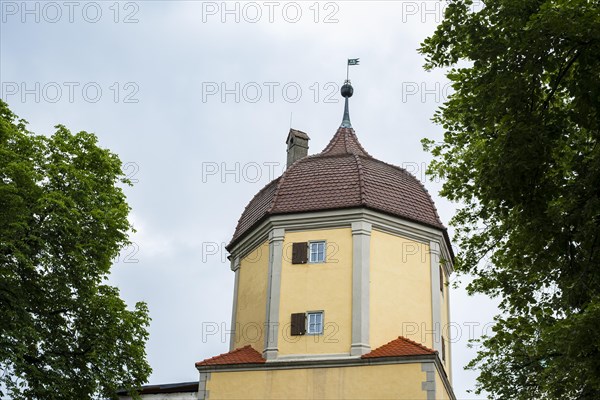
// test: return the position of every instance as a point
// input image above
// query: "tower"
(340, 267)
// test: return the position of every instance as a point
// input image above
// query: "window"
(315, 323)
(441, 280)
(316, 252)
(310, 323)
(311, 252)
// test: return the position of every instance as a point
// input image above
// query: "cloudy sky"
(197, 98)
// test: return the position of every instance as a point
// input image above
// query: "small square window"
(315, 323)
(316, 252)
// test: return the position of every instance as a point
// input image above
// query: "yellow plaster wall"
(252, 298)
(314, 287)
(399, 381)
(400, 290)
(440, 389)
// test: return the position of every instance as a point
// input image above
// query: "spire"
(347, 91)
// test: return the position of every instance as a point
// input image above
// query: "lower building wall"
(166, 396)
(393, 381)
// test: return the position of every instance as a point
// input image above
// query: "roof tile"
(398, 348)
(243, 355)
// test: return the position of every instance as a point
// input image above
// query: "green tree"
(64, 333)
(520, 155)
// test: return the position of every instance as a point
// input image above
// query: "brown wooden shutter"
(443, 350)
(300, 253)
(298, 324)
(441, 279)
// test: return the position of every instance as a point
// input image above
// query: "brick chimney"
(297, 146)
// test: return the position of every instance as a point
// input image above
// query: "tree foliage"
(520, 154)
(64, 333)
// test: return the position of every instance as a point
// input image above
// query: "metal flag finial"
(351, 61)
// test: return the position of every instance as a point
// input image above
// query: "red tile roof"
(343, 175)
(398, 348)
(243, 355)
(344, 142)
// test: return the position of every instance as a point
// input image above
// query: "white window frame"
(310, 252)
(321, 324)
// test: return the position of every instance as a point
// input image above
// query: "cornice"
(343, 218)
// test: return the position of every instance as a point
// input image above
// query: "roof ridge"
(416, 344)
(281, 179)
(346, 141)
(361, 180)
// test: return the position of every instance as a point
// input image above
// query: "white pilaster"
(235, 267)
(436, 298)
(276, 237)
(361, 255)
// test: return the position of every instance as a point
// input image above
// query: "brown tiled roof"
(243, 355)
(398, 348)
(184, 387)
(344, 142)
(257, 209)
(343, 175)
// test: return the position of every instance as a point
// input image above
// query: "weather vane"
(351, 61)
